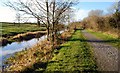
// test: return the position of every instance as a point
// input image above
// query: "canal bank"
(23, 46)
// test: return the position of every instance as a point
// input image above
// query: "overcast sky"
(81, 10)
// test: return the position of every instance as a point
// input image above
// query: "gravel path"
(106, 55)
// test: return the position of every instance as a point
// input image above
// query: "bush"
(112, 22)
(106, 23)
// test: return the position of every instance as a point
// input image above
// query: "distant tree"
(115, 19)
(115, 6)
(95, 20)
(116, 16)
(18, 18)
(119, 6)
(95, 13)
(38, 21)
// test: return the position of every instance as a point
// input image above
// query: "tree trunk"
(48, 32)
(48, 22)
(53, 24)
(38, 22)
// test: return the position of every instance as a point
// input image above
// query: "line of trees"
(97, 21)
(48, 12)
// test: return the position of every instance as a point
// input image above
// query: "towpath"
(106, 56)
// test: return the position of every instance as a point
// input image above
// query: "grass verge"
(107, 37)
(73, 56)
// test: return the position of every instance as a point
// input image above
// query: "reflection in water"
(10, 49)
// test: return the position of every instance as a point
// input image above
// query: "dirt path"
(106, 55)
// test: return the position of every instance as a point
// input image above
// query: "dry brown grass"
(27, 57)
(41, 52)
(28, 34)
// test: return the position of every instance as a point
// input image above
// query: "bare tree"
(114, 7)
(48, 12)
(18, 17)
(96, 13)
(114, 10)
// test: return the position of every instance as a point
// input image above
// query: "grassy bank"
(34, 57)
(74, 55)
(107, 37)
(9, 29)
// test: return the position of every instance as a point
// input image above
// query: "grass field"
(9, 29)
(112, 40)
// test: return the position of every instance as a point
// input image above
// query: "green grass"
(73, 56)
(112, 40)
(9, 29)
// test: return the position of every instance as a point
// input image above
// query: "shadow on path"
(106, 55)
(94, 40)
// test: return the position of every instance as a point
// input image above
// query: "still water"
(10, 49)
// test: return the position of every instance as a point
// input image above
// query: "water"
(10, 49)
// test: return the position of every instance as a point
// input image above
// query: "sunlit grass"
(11, 29)
(112, 40)
(74, 55)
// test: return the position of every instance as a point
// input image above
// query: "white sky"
(8, 15)
(80, 14)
